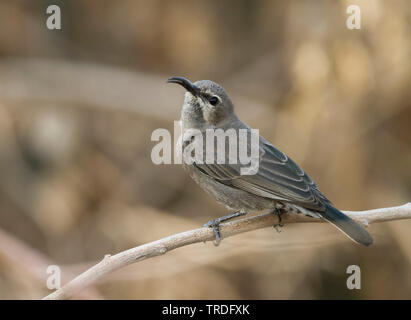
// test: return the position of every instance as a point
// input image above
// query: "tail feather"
(348, 226)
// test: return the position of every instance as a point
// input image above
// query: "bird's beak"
(195, 91)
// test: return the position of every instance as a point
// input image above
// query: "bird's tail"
(348, 226)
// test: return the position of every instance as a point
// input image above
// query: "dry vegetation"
(77, 108)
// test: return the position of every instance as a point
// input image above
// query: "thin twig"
(162, 246)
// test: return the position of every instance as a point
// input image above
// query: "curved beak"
(187, 84)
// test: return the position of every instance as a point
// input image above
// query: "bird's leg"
(278, 225)
(215, 224)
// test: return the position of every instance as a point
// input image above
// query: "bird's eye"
(213, 100)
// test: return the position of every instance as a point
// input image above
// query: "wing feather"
(278, 178)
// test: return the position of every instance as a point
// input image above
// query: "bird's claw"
(217, 235)
(278, 225)
(215, 224)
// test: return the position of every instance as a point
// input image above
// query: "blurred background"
(78, 106)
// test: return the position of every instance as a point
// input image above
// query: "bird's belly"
(232, 198)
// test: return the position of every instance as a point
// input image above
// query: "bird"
(279, 184)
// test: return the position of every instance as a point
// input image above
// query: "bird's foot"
(216, 228)
(215, 224)
(278, 225)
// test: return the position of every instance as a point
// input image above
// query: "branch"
(162, 246)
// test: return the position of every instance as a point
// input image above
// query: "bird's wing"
(278, 178)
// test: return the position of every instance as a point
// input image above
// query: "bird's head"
(206, 104)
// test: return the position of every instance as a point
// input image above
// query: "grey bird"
(279, 185)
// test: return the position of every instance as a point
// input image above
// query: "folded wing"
(278, 178)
